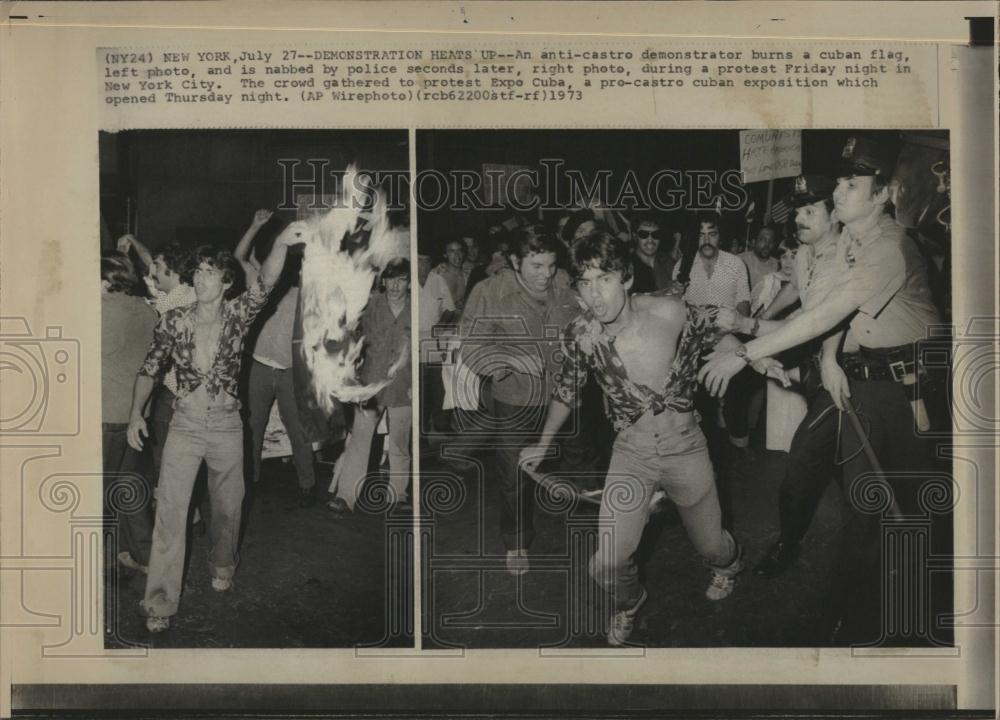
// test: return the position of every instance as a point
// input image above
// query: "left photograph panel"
(255, 388)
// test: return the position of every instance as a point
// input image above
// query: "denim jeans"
(351, 469)
(676, 461)
(163, 411)
(267, 384)
(199, 431)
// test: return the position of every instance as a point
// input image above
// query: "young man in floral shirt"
(644, 352)
(204, 342)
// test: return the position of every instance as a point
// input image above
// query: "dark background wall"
(199, 186)
(643, 151)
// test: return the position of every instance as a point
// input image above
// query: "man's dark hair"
(524, 243)
(576, 219)
(602, 250)
(223, 261)
(638, 220)
(119, 272)
(178, 260)
(397, 267)
(707, 219)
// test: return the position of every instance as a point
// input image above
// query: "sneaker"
(221, 584)
(724, 578)
(517, 562)
(721, 587)
(338, 507)
(157, 624)
(623, 622)
(126, 560)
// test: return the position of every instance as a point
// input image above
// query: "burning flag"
(339, 268)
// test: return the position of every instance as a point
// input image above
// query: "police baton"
(869, 451)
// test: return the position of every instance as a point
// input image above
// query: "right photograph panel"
(684, 388)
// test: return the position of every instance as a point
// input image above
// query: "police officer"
(884, 294)
(811, 455)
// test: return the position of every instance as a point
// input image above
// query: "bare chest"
(647, 352)
(206, 342)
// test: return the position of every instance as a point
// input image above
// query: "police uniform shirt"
(816, 272)
(885, 275)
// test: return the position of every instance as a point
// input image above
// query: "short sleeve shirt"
(387, 350)
(728, 286)
(274, 344)
(886, 275)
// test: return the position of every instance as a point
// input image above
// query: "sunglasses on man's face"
(643, 234)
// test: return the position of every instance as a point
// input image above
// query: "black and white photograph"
(370, 359)
(255, 385)
(685, 388)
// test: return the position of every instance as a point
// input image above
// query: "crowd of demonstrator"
(680, 332)
(194, 356)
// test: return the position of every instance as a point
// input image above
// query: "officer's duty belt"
(896, 364)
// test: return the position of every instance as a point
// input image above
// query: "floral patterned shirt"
(588, 348)
(173, 340)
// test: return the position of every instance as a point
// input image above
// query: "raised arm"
(295, 233)
(131, 241)
(242, 251)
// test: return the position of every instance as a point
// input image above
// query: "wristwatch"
(741, 353)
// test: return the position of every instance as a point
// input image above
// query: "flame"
(336, 285)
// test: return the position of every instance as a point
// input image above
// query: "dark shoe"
(338, 507)
(781, 555)
(307, 498)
